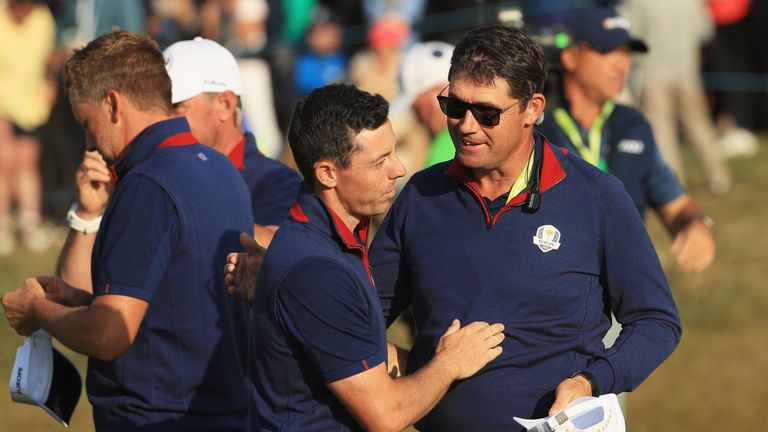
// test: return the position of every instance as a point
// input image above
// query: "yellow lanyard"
(522, 180)
(590, 152)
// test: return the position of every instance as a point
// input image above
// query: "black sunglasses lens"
(486, 116)
(453, 108)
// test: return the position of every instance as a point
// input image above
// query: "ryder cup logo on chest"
(547, 238)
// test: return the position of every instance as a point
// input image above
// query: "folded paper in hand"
(42, 376)
(585, 414)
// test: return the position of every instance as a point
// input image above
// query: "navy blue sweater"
(628, 146)
(552, 277)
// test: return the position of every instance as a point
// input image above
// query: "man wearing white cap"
(206, 88)
(423, 73)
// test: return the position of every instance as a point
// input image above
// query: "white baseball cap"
(201, 66)
(42, 376)
(425, 65)
(585, 414)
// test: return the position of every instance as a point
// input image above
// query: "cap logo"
(42, 376)
(18, 380)
(617, 22)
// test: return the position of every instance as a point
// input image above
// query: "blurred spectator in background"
(27, 32)
(297, 15)
(727, 66)
(170, 21)
(242, 26)
(671, 89)
(409, 11)
(248, 40)
(239, 25)
(77, 22)
(247, 35)
(423, 74)
(376, 69)
(288, 27)
(617, 138)
(324, 62)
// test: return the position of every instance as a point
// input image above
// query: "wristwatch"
(708, 222)
(79, 224)
(589, 377)
(686, 221)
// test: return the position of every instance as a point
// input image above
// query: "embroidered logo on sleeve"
(547, 238)
(631, 146)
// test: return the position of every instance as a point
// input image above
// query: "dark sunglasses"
(485, 115)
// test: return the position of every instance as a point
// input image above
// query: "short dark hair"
(325, 122)
(120, 60)
(488, 53)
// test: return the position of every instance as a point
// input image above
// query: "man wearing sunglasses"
(516, 230)
(617, 138)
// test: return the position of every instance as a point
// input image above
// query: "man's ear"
(227, 102)
(114, 103)
(325, 173)
(534, 109)
(568, 58)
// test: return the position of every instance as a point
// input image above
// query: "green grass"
(21, 417)
(715, 381)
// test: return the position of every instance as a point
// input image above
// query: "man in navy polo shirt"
(206, 90)
(318, 354)
(618, 138)
(515, 230)
(160, 329)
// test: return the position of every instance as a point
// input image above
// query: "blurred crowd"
(288, 47)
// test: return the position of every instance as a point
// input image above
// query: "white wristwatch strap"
(78, 224)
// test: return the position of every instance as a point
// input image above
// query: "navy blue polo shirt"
(632, 155)
(273, 185)
(176, 212)
(552, 277)
(316, 319)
